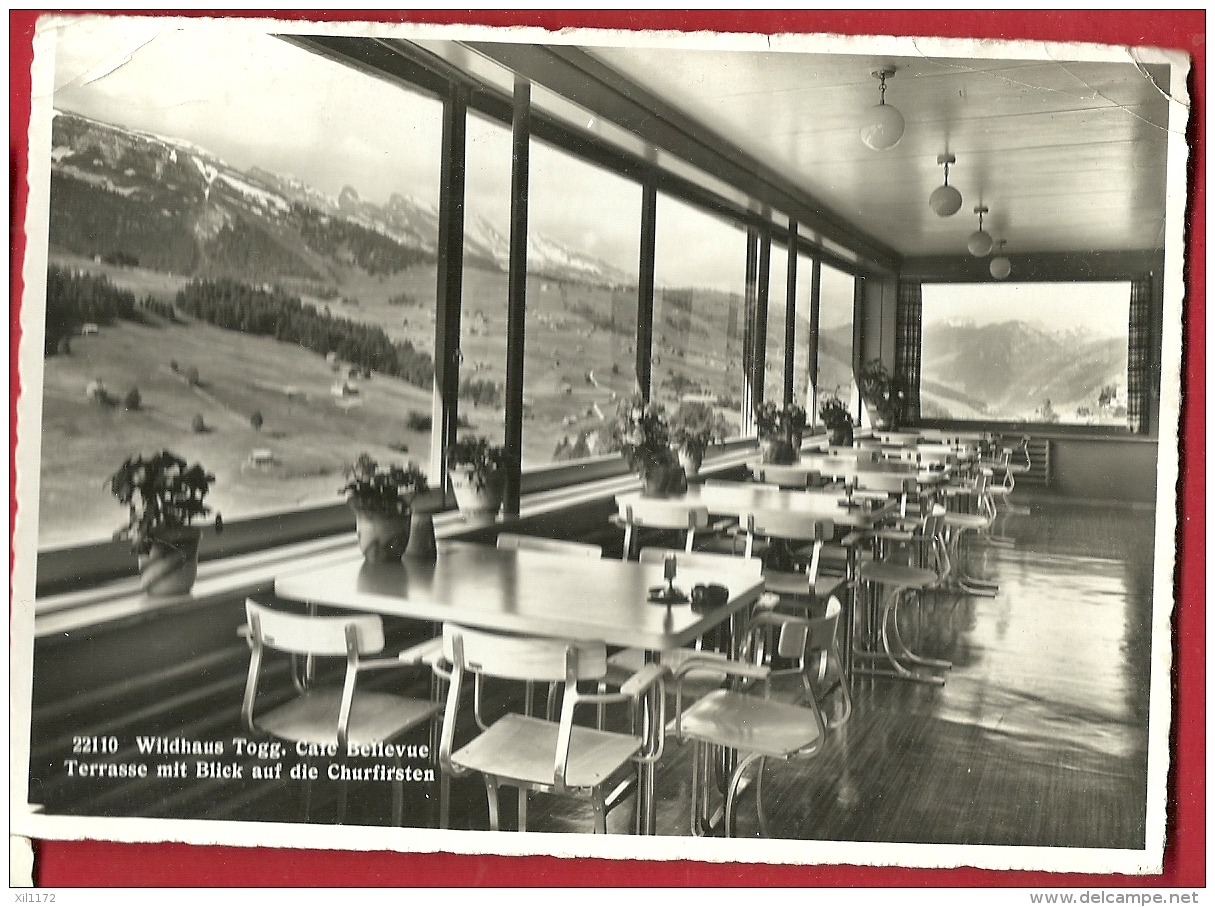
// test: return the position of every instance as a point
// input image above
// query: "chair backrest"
(856, 454)
(798, 636)
(304, 634)
(660, 514)
(514, 541)
(701, 560)
(892, 482)
(783, 476)
(786, 524)
(523, 657)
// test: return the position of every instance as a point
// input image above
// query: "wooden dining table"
(535, 593)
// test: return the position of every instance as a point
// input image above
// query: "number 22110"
(94, 745)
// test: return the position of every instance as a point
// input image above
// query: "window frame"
(79, 564)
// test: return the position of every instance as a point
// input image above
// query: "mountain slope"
(175, 207)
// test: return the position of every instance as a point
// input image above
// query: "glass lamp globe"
(945, 200)
(979, 243)
(882, 128)
(1000, 267)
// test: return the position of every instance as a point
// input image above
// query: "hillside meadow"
(308, 432)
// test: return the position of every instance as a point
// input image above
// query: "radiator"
(1039, 475)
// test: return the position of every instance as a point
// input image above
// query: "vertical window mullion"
(751, 338)
(645, 285)
(816, 283)
(790, 311)
(516, 318)
(449, 281)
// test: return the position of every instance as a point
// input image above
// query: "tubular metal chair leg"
(905, 652)
(759, 799)
(491, 793)
(600, 809)
(398, 796)
(732, 791)
(896, 668)
(444, 799)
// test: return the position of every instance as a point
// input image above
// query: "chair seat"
(897, 575)
(794, 583)
(751, 724)
(374, 717)
(966, 520)
(521, 748)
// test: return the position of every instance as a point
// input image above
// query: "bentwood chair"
(977, 521)
(628, 661)
(536, 754)
(788, 571)
(328, 715)
(764, 724)
(927, 569)
(671, 516)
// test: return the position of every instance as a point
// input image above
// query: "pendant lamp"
(979, 242)
(1000, 267)
(883, 125)
(945, 200)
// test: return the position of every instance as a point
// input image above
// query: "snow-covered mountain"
(159, 199)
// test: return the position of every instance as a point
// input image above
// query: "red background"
(95, 863)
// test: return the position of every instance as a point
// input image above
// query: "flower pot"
(777, 451)
(474, 499)
(663, 481)
(690, 460)
(840, 436)
(170, 566)
(383, 535)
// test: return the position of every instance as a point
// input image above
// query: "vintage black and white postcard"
(755, 448)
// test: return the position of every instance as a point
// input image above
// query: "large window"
(482, 406)
(835, 313)
(584, 227)
(1025, 352)
(699, 281)
(801, 358)
(242, 257)
(774, 356)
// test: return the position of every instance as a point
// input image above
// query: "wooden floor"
(1038, 737)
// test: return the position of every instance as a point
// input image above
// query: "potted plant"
(780, 431)
(837, 420)
(163, 497)
(382, 501)
(477, 472)
(694, 427)
(644, 437)
(883, 394)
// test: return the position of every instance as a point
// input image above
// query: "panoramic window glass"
(835, 312)
(584, 227)
(699, 280)
(483, 305)
(801, 342)
(774, 357)
(241, 270)
(1025, 352)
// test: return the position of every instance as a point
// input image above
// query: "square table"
(536, 593)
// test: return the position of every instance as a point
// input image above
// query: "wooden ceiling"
(1068, 156)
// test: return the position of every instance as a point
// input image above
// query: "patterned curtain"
(1139, 356)
(907, 318)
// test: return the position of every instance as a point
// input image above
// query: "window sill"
(114, 600)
